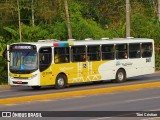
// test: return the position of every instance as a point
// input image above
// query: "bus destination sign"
(22, 47)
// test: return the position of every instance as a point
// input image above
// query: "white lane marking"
(15, 95)
(135, 100)
(155, 110)
(5, 90)
(101, 118)
(155, 118)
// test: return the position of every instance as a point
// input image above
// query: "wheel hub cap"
(120, 76)
(60, 82)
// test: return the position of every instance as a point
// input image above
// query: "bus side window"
(147, 50)
(121, 51)
(61, 55)
(134, 50)
(93, 53)
(78, 53)
(108, 52)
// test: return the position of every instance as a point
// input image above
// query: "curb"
(8, 86)
(78, 93)
(5, 86)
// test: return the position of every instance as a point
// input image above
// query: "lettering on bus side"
(127, 64)
(46, 73)
(124, 64)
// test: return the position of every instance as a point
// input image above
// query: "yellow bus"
(61, 63)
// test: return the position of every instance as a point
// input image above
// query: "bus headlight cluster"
(32, 76)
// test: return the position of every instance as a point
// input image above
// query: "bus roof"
(88, 42)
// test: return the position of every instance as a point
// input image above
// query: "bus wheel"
(61, 81)
(120, 76)
(36, 87)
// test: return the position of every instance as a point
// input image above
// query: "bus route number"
(148, 60)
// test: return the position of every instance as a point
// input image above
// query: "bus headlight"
(33, 76)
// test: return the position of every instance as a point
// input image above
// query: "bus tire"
(36, 87)
(61, 81)
(120, 76)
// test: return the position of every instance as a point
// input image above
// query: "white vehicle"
(60, 63)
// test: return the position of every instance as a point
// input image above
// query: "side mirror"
(4, 55)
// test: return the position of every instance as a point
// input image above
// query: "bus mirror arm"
(4, 55)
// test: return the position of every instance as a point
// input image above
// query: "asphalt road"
(130, 101)
(101, 106)
(27, 91)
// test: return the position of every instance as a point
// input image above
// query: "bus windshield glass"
(23, 60)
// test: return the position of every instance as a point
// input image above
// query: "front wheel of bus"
(120, 76)
(61, 81)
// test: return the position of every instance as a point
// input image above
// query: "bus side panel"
(93, 70)
(76, 72)
(81, 71)
(107, 70)
(132, 67)
(149, 63)
(47, 76)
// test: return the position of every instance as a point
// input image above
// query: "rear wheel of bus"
(120, 76)
(61, 81)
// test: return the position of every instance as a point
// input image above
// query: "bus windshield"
(23, 60)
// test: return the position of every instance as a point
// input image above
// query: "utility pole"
(127, 18)
(159, 10)
(19, 20)
(32, 13)
(68, 20)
